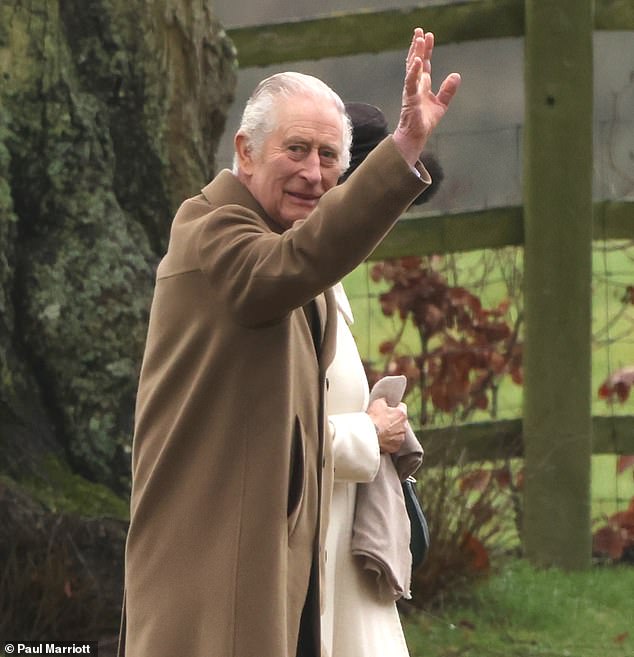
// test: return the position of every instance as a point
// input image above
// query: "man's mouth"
(307, 199)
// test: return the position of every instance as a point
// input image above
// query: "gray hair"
(259, 118)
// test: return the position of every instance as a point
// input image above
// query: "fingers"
(412, 77)
(391, 444)
(396, 419)
(394, 436)
(448, 88)
(428, 50)
(421, 108)
(390, 423)
(414, 46)
(422, 46)
(418, 62)
(388, 419)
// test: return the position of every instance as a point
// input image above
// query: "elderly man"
(231, 468)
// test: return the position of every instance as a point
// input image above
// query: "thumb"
(448, 88)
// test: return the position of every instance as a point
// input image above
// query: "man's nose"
(312, 167)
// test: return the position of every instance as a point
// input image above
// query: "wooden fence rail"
(484, 441)
(341, 34)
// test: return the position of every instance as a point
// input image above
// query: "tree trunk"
(110, 115)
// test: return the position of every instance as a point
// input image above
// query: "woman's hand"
(390, 423)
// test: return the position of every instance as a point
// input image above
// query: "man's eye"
(328, 156)
(298, 149)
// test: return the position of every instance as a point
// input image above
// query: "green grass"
(522, 612)
(610, 492)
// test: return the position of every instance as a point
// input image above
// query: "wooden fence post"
(558, 268)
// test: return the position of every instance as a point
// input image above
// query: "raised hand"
(421, 109)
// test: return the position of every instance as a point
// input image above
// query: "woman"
(357, 621)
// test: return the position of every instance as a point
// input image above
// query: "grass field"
(522, 612)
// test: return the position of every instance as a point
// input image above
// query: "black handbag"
(419, 541)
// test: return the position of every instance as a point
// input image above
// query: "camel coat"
(231, 469)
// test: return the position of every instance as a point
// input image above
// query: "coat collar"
(226, 185)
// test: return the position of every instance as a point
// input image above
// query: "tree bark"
(110, 115)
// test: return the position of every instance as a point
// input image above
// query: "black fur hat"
(369, 128)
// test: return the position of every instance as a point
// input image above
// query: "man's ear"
(244, 154)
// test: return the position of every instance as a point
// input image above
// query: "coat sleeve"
(355, 448)
(264, 275)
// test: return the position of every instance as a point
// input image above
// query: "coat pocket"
(296, 479)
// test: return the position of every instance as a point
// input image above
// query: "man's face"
(300, 159)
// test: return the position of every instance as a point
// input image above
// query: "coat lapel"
(327, 307)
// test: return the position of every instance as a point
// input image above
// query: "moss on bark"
(110, 113)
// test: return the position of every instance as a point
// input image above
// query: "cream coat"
(356, 622)
(231, 472)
